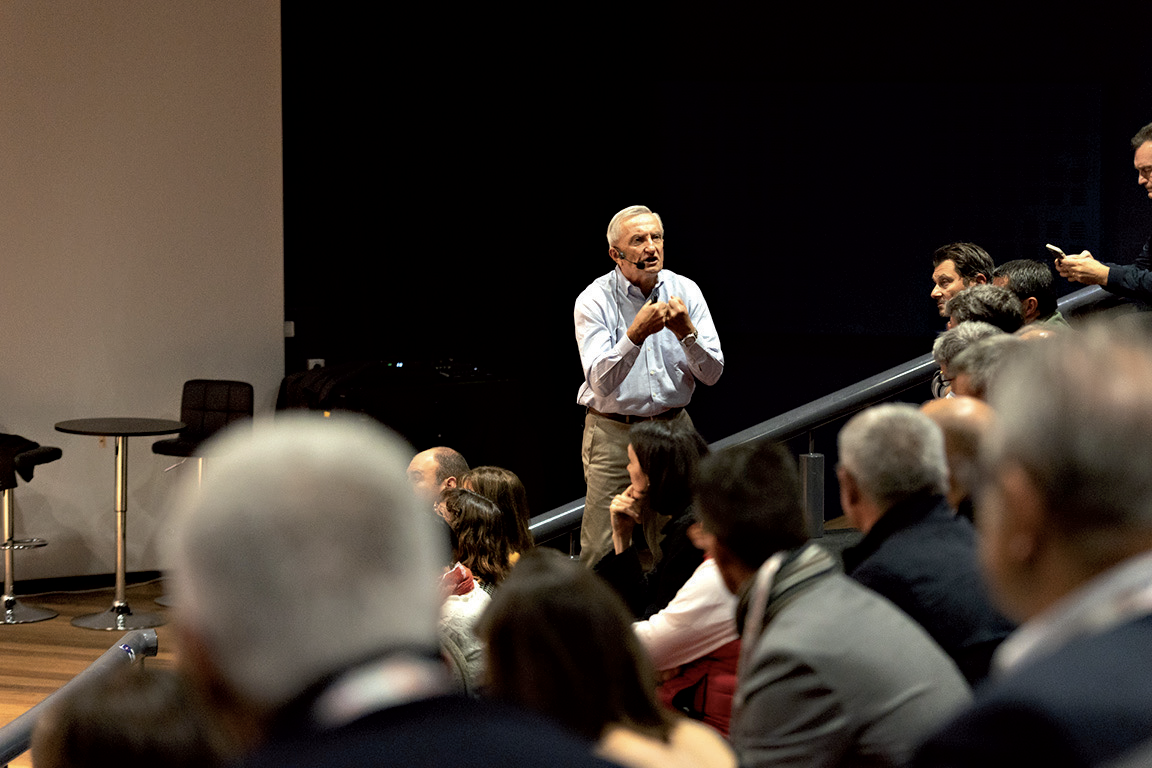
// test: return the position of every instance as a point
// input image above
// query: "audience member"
(694, 645)
(560, 642)
(915, 552)
(306, 599)
(1040, 331)
(435, 470)
(482, 556)
(964, 421)
(951, 343)
(989, 304)
(1066, 542)
(831, 673)
(479, 536)
(504, 488)
(1031, 282)
(464, 603)
(956, 267)
(646, 338)
(974, 370)
(662, 458)
(133, 716)
(1132, 281)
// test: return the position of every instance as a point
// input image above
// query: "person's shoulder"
(1112, 664)
(704, 743)
(690, 743)
(596, 292)
(432, 732)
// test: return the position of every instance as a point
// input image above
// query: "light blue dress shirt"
(623, 378)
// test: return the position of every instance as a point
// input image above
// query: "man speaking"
(645, 337)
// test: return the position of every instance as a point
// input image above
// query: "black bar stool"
(19, 456)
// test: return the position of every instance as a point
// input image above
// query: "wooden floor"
(36, 659)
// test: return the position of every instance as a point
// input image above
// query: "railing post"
(812, 480)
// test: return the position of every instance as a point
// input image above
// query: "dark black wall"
(457, 216)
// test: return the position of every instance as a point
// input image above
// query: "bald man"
(435, 470)
(963, 420)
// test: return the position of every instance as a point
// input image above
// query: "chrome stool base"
(15, 612)
(119, 616)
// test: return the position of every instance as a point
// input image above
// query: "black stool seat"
(19, 456)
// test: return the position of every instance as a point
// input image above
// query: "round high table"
(120, 615)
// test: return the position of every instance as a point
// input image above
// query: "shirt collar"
(625, 287)
(1122, 593)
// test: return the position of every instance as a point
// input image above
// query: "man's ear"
(850, 493)
(449, 483)
(1023, 518)
(1030, 306)
(979, 279)
(613, 254)
(238, 722)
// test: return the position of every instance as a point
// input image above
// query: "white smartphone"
(1059, 253)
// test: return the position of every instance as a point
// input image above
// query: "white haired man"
(645, 337)
(305, 585)
(893, 475)
(1065, 524)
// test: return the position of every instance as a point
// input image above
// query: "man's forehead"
(946, 267)
(1143, 155)
(425, 461)
(643, 222)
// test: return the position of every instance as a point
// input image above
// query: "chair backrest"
(209, 405)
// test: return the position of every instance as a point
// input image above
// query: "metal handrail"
(16, 737)
(822, 411)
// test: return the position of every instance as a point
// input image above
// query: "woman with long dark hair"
(560, 642)
(662, 459)
(479, 535)
(503, 487)
(482, 555)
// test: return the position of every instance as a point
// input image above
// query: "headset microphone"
(638, 264)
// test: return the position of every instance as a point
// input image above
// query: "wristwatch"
(689, 340)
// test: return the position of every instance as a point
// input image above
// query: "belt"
(671, 413)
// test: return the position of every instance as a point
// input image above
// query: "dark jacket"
(1085, 704)
(646, 593)
(923, 558)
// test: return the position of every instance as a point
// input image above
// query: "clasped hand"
(625, 514)
(655, 317)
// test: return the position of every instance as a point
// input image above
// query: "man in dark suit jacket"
(893, 473)
(305, 576)
(1066, 541)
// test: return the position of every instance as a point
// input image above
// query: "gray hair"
(955, 340)
(982, 361)
(617, 222)
(989, 303)
(304, 551)
(1143, 135)
(1084, 435)
(894, 451)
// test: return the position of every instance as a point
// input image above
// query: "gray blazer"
(841, 677)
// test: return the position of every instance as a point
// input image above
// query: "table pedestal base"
(120, 617)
